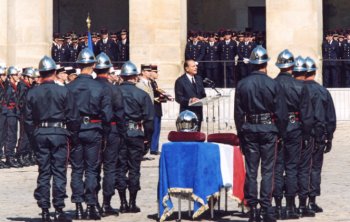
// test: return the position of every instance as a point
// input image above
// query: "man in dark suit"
(189, 88)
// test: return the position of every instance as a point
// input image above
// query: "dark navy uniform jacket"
(259, 94)
(50, 102)
(324, 115)
(228, 51)
(117, 105)
(298, 101)
(330, 51)
(93, 100)
(345, 51)
(73, 54)
(60, 54)
(211, 54)
(195, 51)
(110, 48)
(11, 100)
(123, 51)
(138, 107)
(3, 86)
(22, 90)
(244, 50)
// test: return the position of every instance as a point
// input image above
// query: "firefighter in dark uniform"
(330, 52)
(114, 140)
(24, 151)
(51, 117)
(60, 51)
(123, 47)
(228, 52)
(3, 109)
(261, 117)
(289, 150)
(107, 46)
(195, 50)
(94, 104)
(346, 55)
(11, 117)
(139, 113)
(212, 55)
(322, 131)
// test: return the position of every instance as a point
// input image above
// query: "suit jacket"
(184, 91)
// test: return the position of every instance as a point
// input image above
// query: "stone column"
(29, 31)
(3, 32)
(296, 25)
(158, 35)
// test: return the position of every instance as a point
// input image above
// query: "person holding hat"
(139, 113)
(94, 105)
(330, 53)
(261, 116)
(51, 119)
(123, 46)
(144, 80)
(107, 46)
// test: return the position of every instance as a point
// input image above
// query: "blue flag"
(90, 42)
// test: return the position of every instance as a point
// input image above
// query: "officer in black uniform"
(74, 50)
(11, 117)
(322, 131)
(195, 50)
(139, 112)
(228, 52)
(24, 152)
(51, 117)
(94, 104)
(289, 150)
(346, 55)
(123, 47)
(261, 117)
(330, 52)
(107, 46)
(115, 138)
(212, 55)
(60, 51)
(244, 49)
(3, 110)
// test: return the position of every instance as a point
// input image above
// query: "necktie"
(194, 84)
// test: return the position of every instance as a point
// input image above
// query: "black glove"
(146, 147)
(328, 146)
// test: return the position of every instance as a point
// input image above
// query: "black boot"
(60, 216)
(92, 213)
(124, 208)
(133, 207)
(32, 159)
(11, 162)
(45, 215)
(79, 211)
(25, 160)
(2, 165)
(19, 160)
(313, 206)
(254, 215)
(303, 211)
(291, 211)
(99, 208)
(107, 208)
(268, 215)
(278, 209)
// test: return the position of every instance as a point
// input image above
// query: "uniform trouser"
(11, 139)
(212, 74)
(85, 160)
(330, 76)
(3, 133)
(129, 161)
(23, 141)
(230, 78)
(315, 177)
(287, 162)
(156, 133)
(259, 147)
(347, 75)
(305, 165)
(52, 156)
(109, 158)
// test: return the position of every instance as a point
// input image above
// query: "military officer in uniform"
(114, 139)
(11, 117)
(212, 55)
(244, 48)
(289, 150)
(346, 55)
(139, 113)
(60, 52)
(228, 52)
(94, 104)
(51, 117)
(74, 51)
(261, 117)
(330, 53)
(3, 109)
(322, 131)
(144, 80)
(195, 50)
(107, 46)
(123, 47)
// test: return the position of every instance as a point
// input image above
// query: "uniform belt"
(263, 118)
(88, 119)
(113, 123)
(134, 125)
(11, 105)
(52, 125)
(293, 117)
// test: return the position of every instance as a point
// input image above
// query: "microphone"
(208, 81)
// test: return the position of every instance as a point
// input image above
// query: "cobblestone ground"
(17, 185)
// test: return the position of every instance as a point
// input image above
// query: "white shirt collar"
(190, 77)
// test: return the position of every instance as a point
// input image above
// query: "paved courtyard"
(17, 185)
